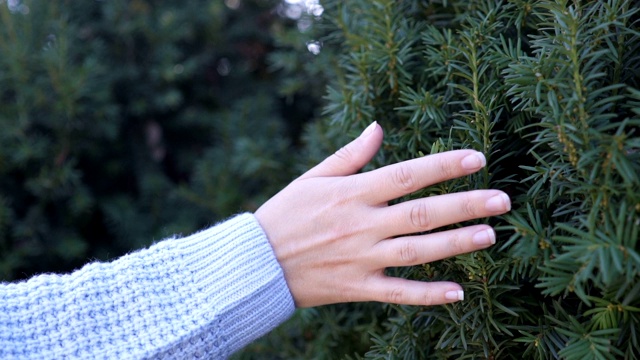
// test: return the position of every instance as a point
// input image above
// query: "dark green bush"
(549, 91)
(123, 122)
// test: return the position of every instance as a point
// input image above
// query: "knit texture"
(202, 296)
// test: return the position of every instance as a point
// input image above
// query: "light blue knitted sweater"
(202, 296)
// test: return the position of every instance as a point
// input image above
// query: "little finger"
(409, 292)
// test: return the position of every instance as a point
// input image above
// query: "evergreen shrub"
(124, 122)
(549, 91)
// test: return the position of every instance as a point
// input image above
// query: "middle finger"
(422, 249)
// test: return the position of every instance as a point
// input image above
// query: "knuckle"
(456, 243)
(404, 178)
(344, 153)
(420, 216)
(446, 168)
(408, 253)
(395, 296)
(428, 298)
(469, 207)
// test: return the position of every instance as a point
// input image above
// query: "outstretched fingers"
(394, 181)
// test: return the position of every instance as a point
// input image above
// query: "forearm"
(207, 294)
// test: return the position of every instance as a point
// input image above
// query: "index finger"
(394, 181)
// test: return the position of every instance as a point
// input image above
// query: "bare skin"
(334, 233)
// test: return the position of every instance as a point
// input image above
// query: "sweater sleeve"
(206, 295)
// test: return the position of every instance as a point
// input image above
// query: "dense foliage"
(549, 91)
(123, 122)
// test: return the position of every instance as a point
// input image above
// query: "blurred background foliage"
(124, 122)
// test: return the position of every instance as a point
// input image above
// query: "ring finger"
(422, 249)
(436, 211)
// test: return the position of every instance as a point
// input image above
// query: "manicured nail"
(498, 203)
(369, 130)
(474, 161)
(484, 238)
(454, 295)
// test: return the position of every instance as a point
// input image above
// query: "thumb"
(351, 157)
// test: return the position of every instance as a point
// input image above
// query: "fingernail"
(484, 238)
(498, 203)
(473, 161)
(369, 130)
(454, 295)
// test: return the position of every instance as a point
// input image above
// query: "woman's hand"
(334, 234)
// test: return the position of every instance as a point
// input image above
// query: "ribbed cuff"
(235, 270)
